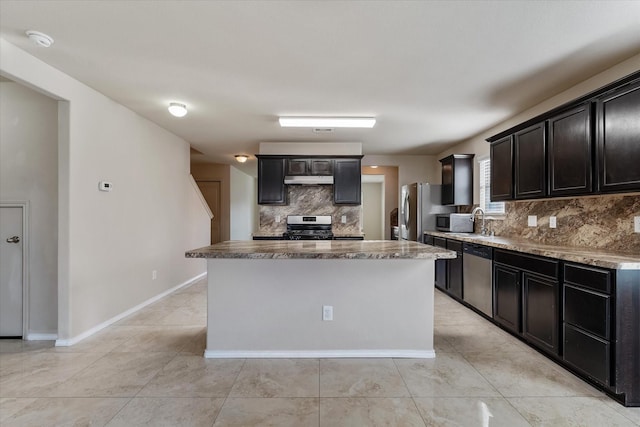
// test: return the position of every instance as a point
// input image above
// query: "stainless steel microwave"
(454, 223)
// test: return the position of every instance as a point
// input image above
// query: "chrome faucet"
(483, 229)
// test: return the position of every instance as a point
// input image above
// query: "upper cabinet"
(501, 153)
(570, 151)
(618, 136)
(530, 162)
(310, 167)
(271, 188)
(347, 182)
(457, 179)
(272, 169)
(588, 146)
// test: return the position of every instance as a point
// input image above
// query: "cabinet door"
(455, 269)
(540, 311)
(530, 161)
(321, 166)
(507, 297)
(447, 181)
(441, 265)
(501, 153)
(618, 140)
(271, 188)
(570, 148)
(347, 182)
(297, 167)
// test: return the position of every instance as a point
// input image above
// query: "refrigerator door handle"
(406, 211)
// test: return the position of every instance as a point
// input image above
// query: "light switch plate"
(277, 218)
(344, 219)
(532, 220)
(552, 222)
(636, 224)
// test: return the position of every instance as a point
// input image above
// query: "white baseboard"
(318, 354)
(38, 336)
(78, 338)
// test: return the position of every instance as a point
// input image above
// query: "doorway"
(373, 206)
(13, 271)
(211, 192)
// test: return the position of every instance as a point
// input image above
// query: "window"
(489, 207)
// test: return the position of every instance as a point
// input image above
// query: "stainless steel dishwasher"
(477, 275)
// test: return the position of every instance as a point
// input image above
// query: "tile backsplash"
(311, 200)
(604, 222)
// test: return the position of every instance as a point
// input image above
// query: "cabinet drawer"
(587, 310)
(454, 245)
(545, 267)
(587, 353)
(440, 242)
(593, 278)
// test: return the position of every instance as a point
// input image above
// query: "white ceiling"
(432, 72)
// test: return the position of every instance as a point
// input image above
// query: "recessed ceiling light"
(241, 158)
(327, 122)
(177, 109)
(374, 167)
(40, 39)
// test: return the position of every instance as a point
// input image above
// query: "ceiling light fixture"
(40, 39)
(374, 167)
(241, 158)
(177, 109)
(327, 122)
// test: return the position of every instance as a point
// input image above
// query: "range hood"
(309, 179)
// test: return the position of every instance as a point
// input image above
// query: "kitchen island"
(269, 298)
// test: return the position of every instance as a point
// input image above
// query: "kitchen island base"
(273, 308)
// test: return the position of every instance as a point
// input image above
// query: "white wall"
(244, 206)
(29, 172)
(477, 144)
(109, 243)
(373, 210)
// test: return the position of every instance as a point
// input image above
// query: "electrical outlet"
(154, 275)
(636, 224)
(277, 218)
(552, 222)
(532, 220)
(344, 219)
(327, 312)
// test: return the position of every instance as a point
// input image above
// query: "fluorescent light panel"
(327, 122)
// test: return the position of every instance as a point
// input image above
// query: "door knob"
(14, 239)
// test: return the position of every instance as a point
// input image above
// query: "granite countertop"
(279, 234)
(594, 257)
(325, 249)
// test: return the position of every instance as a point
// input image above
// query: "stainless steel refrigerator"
(420, 204)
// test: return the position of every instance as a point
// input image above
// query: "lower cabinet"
(526, 295)
(440, 279)
(455, 269)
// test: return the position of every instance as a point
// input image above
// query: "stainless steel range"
(308, 227)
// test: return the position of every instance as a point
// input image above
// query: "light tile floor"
(148, 369)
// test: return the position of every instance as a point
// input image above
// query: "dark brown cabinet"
(347, 182)
(586, 320)
(454, 271)
(618, 139)
(440, 278)
(540, 311)
(309, 166)
(507, 297)
(587, 146)
(530, 162)
(457, 179)
(570, 148)
(271, 187)
(501, 154)
(526, 295)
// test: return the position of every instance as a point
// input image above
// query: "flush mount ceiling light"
(241, 158)
(40, 39)
(177, 109)
(327, 122)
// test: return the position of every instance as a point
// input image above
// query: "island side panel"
(273, 308)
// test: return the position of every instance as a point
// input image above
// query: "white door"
(11, 272)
